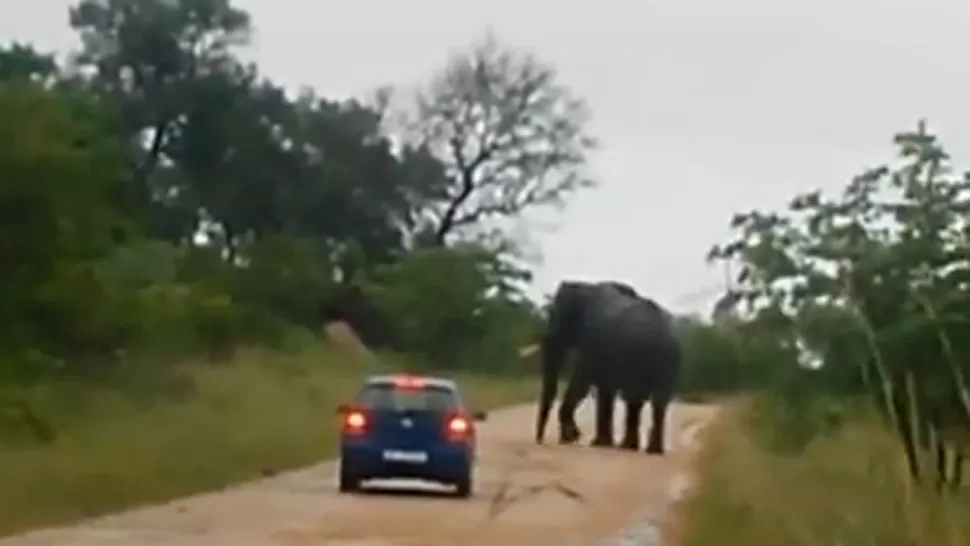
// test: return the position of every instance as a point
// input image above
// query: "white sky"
(704, 107)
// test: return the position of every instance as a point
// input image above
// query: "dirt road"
(302, 508)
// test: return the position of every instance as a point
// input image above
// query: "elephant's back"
(617, 316)
(636, 328)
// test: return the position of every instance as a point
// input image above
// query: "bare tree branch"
(510, 135)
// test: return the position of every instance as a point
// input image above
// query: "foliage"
(162, 197)
(136, 441)
(476, 317)
(846, 487)
(844, 318)
(53, 228)
(869, 286)
(727, 356)
(168, 212)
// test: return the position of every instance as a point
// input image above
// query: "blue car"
(406, 426)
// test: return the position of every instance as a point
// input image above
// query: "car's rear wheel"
(463, 486)
(348, 482)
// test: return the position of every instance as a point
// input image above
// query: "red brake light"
(459, 428)
(355, 423)
(408, 382)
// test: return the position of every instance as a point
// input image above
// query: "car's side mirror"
(343, 408)
(479, 416)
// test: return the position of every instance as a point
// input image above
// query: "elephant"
(625, 345)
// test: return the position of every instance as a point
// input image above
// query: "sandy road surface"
(302, 508)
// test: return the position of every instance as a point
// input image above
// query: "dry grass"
(850, 489)
(217, 425)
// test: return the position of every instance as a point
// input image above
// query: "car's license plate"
(396, 456)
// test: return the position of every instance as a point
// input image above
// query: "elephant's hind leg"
(605, 403)
(658, 404)
(631, 427)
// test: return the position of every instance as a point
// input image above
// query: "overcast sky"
(704, 107)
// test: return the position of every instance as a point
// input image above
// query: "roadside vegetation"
(847, 315)
(199, 264)
(850, 487)
(203, 427)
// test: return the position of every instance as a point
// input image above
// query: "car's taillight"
(355, 423)
(408, 382)
(458, 428)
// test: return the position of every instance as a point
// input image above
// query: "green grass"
(213, 425)
(850, 488)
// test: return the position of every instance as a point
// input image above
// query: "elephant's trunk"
(553, 355)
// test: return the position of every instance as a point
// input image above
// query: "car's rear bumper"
(445, 463)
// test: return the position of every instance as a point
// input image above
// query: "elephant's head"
(566, 314)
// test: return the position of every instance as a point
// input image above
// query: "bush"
(158, 232)
(729, 356)
(156, 434)
(452, 307)
(848, 487)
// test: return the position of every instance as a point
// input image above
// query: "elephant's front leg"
(605, 403)
(631, 427)
(658, 405)
(576, 391)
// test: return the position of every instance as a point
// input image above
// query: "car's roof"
(428, 380)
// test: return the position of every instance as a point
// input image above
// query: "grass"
(202, 428)
(849, 488)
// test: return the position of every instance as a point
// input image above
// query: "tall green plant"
(892, 253)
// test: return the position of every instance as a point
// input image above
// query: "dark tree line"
(159, 194)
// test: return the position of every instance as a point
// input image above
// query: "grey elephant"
(625, 345)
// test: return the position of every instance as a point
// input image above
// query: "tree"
(510, 134)
(209, 207)
(150, 58)
(61, 166)
(22, 61)
(874, 281)
(473, 303)
(217, 148)
(352, 184)
(148, 54)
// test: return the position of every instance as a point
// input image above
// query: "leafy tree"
(23, 62)
(873, 281)
(60, 165)
(510, 134)
(165, 65)
(149, 54)
(161, 197)
(471, 305)
(58, 214)
(352, 184)
(218, 149)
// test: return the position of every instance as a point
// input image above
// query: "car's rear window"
(391, 397)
